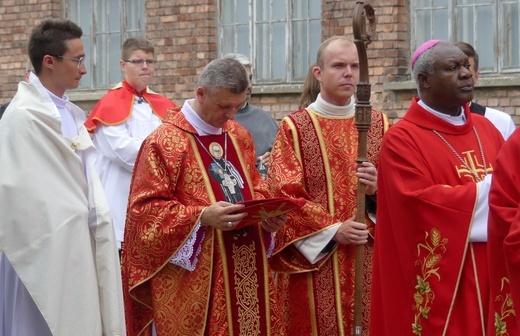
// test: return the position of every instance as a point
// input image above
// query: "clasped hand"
(352, 232)
(225, 216)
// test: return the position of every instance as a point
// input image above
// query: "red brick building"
(189, 33)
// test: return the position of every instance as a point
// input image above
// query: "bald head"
(321, 54)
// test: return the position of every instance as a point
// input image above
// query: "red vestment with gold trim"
(428, 278)
(230, 291)
(314, 157)
(504, 240)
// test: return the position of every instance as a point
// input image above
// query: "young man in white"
(59, 273)
(121, 120)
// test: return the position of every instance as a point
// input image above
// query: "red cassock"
(428, 278)
(314, 157)
(117, 105)
(230, 291)
(504, 240)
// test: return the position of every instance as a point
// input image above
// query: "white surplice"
(117, 147)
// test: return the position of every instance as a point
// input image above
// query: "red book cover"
(258, 210)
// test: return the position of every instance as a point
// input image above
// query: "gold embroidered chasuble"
(315, 157)
(230, 291)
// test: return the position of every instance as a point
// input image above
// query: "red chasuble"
(504, 240)
(428, 278)
(314, 157)
(116, 106)
(230, 291)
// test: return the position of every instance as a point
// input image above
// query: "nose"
(83, 68)
(466, 73)
(230, 114)
(348, 71)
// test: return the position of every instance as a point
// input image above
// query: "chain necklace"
(224, 169)
(471, 170)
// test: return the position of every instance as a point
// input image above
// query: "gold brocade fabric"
(315, 157)
(230, 291)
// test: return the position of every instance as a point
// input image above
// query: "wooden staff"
(363, 13)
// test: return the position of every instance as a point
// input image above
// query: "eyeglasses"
(142, 61)
(79, 60)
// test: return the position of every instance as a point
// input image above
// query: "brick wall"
(17, 18)
(185, 35)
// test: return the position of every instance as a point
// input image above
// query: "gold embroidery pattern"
(246, 288)
(506, 310)
(312, 156)
(326, 309)
(424, 295)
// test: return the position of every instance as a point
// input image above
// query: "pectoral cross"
(229, 183)
(472, 167)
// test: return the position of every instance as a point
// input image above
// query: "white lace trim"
(183, 256)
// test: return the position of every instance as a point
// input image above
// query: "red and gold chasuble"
(230, 291)
(428, 278)
(504, 241)
(314, 157)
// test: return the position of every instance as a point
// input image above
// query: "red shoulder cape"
(116, 106)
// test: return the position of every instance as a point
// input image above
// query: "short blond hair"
(323, 46)
(136, 43)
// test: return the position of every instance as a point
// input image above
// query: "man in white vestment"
(59, 272)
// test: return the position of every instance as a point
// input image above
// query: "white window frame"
(103, 69)
(454, 9)
(252, 49)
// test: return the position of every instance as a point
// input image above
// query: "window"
(280, 37)
(106, 25)
(490, 26)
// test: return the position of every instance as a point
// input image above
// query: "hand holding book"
(262, 209)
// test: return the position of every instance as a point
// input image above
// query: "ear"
(424, 80)
(476, 77)
(317, 73)
(48, 62)
(122, 65)
(200, 93)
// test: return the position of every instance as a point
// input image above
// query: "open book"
(258, 210)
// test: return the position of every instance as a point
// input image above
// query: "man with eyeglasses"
(121, 120)
(59, 272)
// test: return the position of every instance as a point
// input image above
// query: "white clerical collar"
(202, 127)
(454, 120)
(320, 106)
(60, 102)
